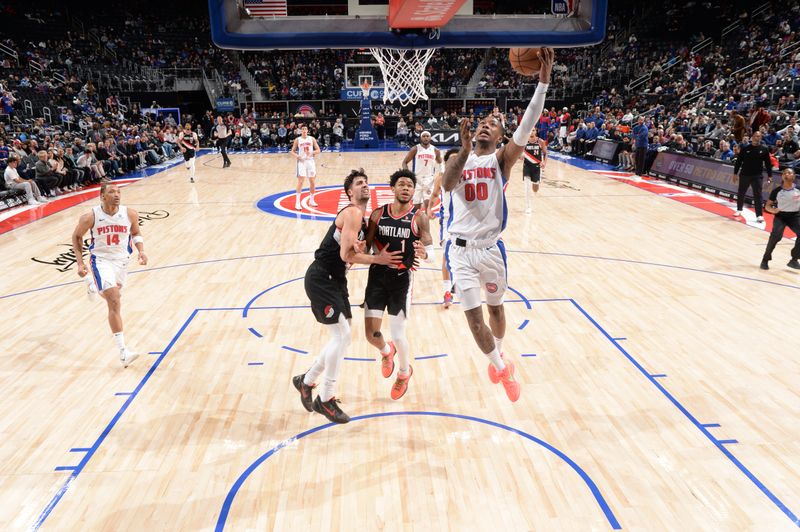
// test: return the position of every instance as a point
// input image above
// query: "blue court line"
(258, 334)
(426, 357)
(294, 349)
(48, 509)
(522, 297)
(528, 355)
(359, 359)
(255, 363)
(226, 505)
(88, 456)
(155, 353)
(80, 449)
(571, 255)
(658, 375)
(123, 393)
(273, 287)
(725, 442)
(729, 455)
(660, 265)
(65, 468)
(522, 325)
(619, 339)
(710, 425)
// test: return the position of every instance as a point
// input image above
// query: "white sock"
(498, 343)
(297, 197)
(527, 193)
(447, 285)
(494, 358)
(397, 324)
(386, 349)
(333, 358)
(119, 339)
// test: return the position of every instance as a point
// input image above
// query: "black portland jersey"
(533, 153)
(188, 141)
(328, 254)
(398, 233)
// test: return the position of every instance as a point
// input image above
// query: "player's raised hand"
(466, 134)
(546, 56)
(388, 258)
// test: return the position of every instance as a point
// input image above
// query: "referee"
(222, 133)
(784, 203)
(751, 160)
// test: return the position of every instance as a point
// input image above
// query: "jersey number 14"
(112, 240)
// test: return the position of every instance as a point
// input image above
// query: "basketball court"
(658, 382)
(658, 364)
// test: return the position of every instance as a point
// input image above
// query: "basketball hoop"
(403, 73)
(365, 87)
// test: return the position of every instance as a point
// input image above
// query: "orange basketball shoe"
(387, 362)
(401, 384)
(494, 375)
(509, 382)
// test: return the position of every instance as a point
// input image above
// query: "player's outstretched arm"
(410, 155)
(508, 154)
(85, 223)
(455, 165)
(351, 224)
(136, 235)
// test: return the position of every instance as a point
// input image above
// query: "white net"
(403, 73)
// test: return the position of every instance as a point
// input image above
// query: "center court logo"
(330, 200)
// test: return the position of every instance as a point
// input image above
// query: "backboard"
(259, 25)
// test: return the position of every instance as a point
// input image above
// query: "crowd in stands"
(689, 100)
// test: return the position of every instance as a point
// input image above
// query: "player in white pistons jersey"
(427, 165)
(114, 231)
(478, 214)
(304, 149)
(444, 236)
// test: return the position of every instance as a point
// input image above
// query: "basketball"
(525, 60)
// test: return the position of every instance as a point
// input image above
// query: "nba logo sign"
(561, 7)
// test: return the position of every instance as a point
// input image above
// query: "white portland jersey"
(111, 235)
(478, 208)
(305, 148)
(425, 162)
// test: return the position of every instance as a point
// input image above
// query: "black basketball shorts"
(532, 171)
(328, 296)
(188, 154)
(387, 289)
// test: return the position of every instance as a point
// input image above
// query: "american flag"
(266, 8)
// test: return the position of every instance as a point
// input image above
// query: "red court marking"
(691, 197)
(30, 214)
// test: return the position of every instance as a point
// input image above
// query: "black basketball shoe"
(330, 409)
(305, 391)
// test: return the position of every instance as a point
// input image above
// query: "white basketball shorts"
(306, 168)
(423, 190)
(108, 273)
(477, 267)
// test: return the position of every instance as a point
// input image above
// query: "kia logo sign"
(445, 138)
